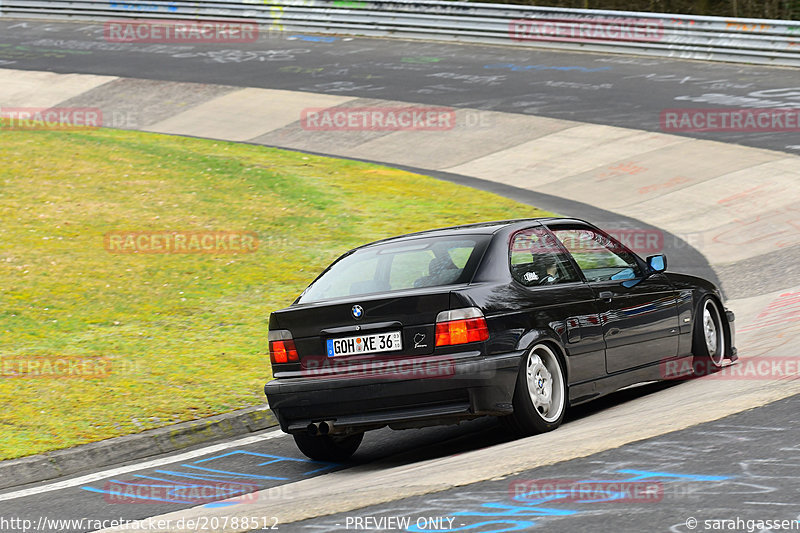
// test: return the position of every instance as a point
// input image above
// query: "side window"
(536, 259)
(599, 258)
(460, 255)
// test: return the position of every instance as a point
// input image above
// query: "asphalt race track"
(615, 90)
(659, 484)
(268, 464)
(712, 449)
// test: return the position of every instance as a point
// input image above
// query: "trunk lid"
(412, 313)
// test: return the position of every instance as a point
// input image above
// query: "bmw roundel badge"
(358, 311)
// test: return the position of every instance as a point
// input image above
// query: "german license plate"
(379, 342)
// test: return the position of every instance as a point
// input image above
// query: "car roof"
(480, 228)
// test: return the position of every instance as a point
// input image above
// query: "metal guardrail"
(775, 42)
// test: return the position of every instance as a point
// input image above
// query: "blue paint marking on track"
(275, 459)
(197, 485)
(313, 38)
(231, 473)
(172, 489)
(531, 508)
(645, 474)
(504, 509)
(208, 477)
(158, 479)
(172, 8)
(204, 477)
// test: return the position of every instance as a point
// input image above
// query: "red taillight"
(281, 347)
(461, 326)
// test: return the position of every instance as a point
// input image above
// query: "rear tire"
(328, 447)
(709, 341)
(540, 396)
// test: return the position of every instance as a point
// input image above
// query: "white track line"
(89, 478)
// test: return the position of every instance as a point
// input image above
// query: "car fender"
(535, 336)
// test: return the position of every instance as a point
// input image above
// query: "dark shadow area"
(387, 448)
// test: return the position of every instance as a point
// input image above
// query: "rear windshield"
(423, 262)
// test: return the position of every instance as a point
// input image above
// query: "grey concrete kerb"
(50, 465)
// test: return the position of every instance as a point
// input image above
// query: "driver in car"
(550, 266)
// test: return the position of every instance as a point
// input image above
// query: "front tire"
(709, 342)
(540, 396)
(332, 448)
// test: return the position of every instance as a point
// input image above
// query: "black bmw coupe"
(517, 319)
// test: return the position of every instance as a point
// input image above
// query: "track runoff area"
(635, 460)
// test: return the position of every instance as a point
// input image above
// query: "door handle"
(606, 296)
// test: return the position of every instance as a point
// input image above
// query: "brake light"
(461, 326)
(281, 347)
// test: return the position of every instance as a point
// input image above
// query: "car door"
(559, 299)
(638, 309)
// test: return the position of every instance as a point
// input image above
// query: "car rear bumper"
(474, 385)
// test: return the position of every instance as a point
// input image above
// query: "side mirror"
(624, 274)
(657, 263)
